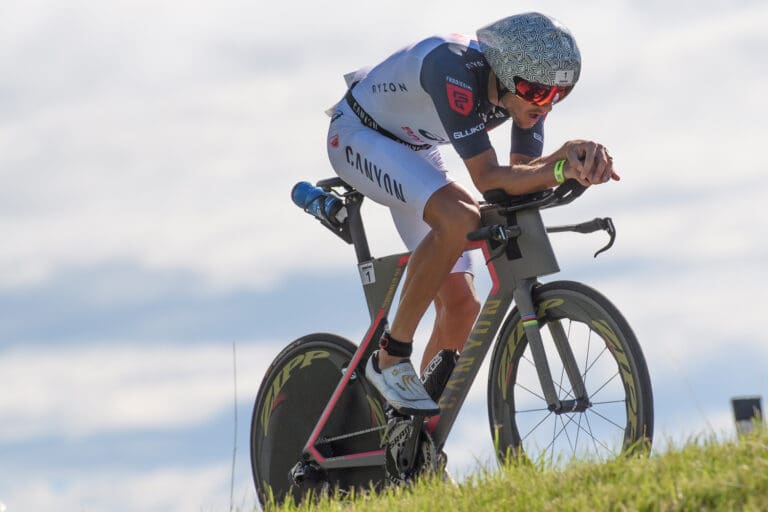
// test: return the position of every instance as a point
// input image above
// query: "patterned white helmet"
(533, 47)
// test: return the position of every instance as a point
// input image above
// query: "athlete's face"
(523, 113)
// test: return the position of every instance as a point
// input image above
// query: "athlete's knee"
(466, 216)
(452, 211)
(460, 304)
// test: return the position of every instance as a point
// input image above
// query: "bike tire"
(620, 417)
(291, 398)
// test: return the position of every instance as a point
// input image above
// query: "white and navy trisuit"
(384, 134)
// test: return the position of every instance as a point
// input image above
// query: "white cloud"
(160, 490)
(74, 392)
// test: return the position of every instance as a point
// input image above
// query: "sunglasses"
(538, 94)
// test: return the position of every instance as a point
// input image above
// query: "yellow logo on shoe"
(407, 383)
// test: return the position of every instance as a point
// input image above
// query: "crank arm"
(408, 455)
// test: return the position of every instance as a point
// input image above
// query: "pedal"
(392, 413)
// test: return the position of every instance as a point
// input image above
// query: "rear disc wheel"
(290, 401)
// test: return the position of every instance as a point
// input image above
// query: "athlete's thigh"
(412, 231)
(384, 170)
(389, 173)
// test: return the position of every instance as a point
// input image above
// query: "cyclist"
(383, 140)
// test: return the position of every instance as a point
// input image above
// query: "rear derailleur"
(306, 473)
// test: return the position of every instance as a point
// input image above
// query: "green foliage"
(704, 475)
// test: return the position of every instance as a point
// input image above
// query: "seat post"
(357, 230)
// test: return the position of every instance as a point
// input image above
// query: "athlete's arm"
(524, 175)
(519, 158)
(586, 162)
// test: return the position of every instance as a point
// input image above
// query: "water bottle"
(323, 205)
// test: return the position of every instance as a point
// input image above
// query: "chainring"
(426, 454)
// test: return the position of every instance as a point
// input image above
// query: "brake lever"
(606, 225)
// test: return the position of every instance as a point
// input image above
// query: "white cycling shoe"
(401, 387)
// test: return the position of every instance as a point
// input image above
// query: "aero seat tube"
(356, 228)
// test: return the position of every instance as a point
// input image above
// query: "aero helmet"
(533, 47)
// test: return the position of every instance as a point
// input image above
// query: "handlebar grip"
(569, 190)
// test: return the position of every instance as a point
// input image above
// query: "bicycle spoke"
(568, 394)
(595, 361)
(535, 427)
(529, 361)
(562, 389)
(524, 357)
(531, 392)
(565, 430)
(594, 439)
(586, 359)
(607, 419)
(555, 435)
(587, 365)
(587, 431)
(578, 431)
(560, 384)
(624, 401)
(532, 410)
(603, 386)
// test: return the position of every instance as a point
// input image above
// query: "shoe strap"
(394, 347)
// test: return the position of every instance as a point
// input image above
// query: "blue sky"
(147, 150)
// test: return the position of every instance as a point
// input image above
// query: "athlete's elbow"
(487, 181)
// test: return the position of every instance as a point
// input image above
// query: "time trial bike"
(567, 377)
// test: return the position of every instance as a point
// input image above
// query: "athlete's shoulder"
(454, 59)
(450, 46)
(453, 54)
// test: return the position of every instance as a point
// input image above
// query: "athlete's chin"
(527, 121)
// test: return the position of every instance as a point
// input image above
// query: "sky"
(152, 264)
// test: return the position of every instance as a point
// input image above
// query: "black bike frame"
(514, 265)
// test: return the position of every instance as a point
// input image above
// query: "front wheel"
(291, 399)
(619, 417)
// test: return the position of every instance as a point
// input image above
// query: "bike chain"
(353, 434)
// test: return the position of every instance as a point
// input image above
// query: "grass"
(704, 475)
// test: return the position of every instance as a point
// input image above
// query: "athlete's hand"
(589, 162)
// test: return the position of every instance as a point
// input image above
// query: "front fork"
(523, 299)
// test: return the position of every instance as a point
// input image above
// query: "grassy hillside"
(704, 475)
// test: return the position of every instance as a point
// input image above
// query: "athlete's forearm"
(536, 175)
(521, 177)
